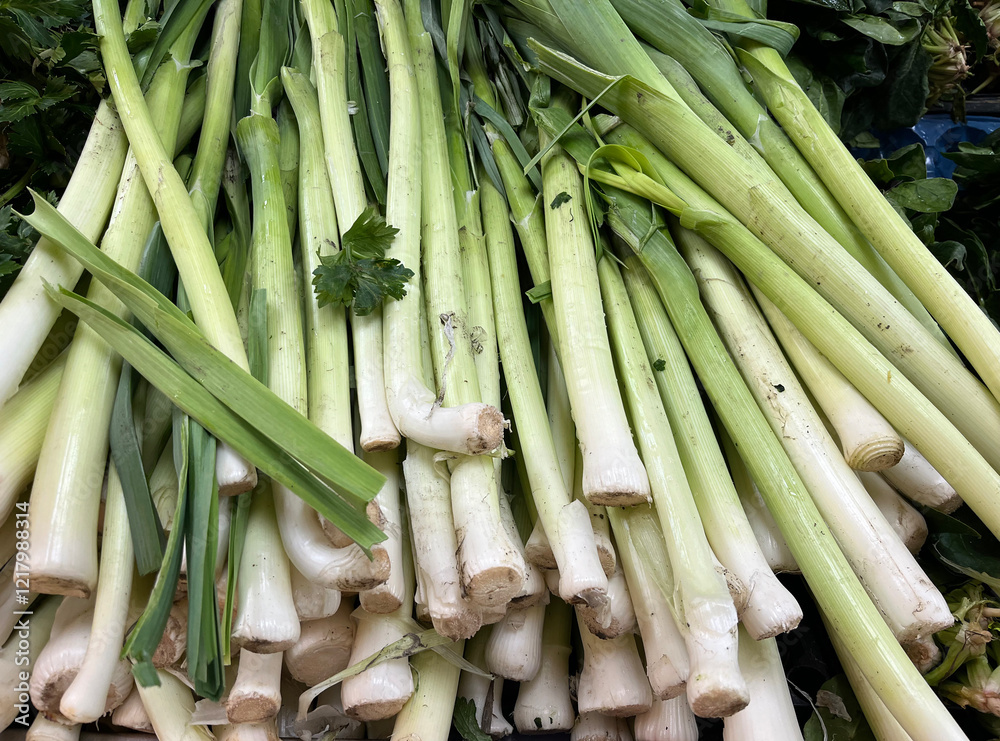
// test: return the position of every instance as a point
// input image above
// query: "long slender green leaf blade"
(145, 637)
(217, 418)
(148, 538)
(374, 78)
(177, 18)
(204, 646)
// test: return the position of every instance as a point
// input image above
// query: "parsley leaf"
(465, 721)
(360, 275)
(659, 364)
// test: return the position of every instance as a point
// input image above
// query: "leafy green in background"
(50, 84)
(877, 64)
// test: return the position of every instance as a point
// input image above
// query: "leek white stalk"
(834, 584)
(256, 694)
(703, 601)
(600, 727)
(868, 441)
(169, 706)
(543, 702)
(471, 428)
(391, 595)
(26, 313)
(908, 524)
(434, 547)
(770, 713)
(482, 691)
(514, 647)
(914, 415)
(491, 568)
(323, 648)
(571, 457)
(23, 422)
(616, 617)
(18, 658)
(326, 389)
(265, 621)
(613, 474)
(85, 700)
(63, 655)
(311, 600)
(765, 529)
(43, 729)
(330, 72)
(272, 270)
(916, 478)
(327, 362)
(381, 691)
(427, 714)
(644, 561)
(549, 469)
(612, 681)
(131, 714)
(667, 720)
(910, 603)
(770, 609)
(235, 475)
(327, 365)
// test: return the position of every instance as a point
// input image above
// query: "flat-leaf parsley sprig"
(360, 275)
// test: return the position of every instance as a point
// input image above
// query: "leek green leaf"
(217, 418)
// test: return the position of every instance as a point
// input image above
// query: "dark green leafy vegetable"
(359, 275)
(465, 721)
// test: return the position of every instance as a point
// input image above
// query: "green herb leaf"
(7, 265)
(659, 364)
(369, 236)
(464, 718)
(360, 275)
